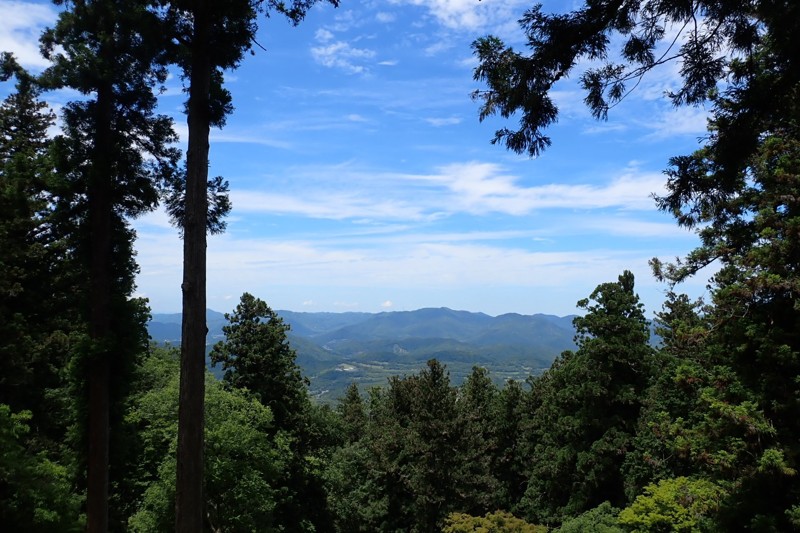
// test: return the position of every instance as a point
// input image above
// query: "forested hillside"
(101, 430)
(337, 349)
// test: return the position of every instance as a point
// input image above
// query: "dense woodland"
(700, 433)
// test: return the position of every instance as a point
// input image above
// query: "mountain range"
(335, 349)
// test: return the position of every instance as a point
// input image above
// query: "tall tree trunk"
(100, 268)
(189, 484)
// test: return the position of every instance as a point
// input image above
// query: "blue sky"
(362, 180)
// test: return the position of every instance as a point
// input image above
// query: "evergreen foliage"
(718, 43)
(109, 161)
(589, 403)
(256, 356)
(257, 360)
(699, 434)
(601, 519)
(35, 492)
(679, 504)
(244, 456)
(723, 405)
(499, 522)
(36, 318)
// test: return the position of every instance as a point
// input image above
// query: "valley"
(336, 349)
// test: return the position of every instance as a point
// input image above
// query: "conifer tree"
(672, 404)
(511, 465)
(256, 356)
(590, 403)
(718, 42)
(29, 308)
(109, 160)
(752, 345)
(737, 420)
(210, 37)
(353, 414)
(478, 486)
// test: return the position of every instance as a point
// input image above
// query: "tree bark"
(189, 484)
(100, 288)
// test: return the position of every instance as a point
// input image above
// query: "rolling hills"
(335, 349)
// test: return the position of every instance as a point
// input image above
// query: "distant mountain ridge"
(337, 348)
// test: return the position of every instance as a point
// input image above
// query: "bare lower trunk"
(189, 484)
(100, 269)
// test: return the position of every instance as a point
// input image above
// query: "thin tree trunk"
(189, 484)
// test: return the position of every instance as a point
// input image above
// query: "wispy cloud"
(328, 205)
(354, 117)
(623, 226)
(385, 17)
(474, 188)
(604, 127)
(469, 14)
(322, 35)
(480, 188)
(225, 136)
(237, 136)
(398, 265)
(447, 121)
(20, 26)
(345, 20)
(342, 55)
(678, 121)
(438, 47)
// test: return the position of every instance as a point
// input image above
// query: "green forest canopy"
(701, 433)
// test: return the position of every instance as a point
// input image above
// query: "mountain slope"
(335, 349)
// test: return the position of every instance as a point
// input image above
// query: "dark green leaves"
(256, 356)
(710, 34)
(219, 204)
(589, 404)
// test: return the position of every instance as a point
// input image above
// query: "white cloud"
(305, 271)
(604, 127)
(399, 266)
(473, 188)
(345, 21)
(234, 136)
(226, 136)
(449, 121)
(385, 17)
(388, 63)
(468, 62)
(471, 15)
(323, 35)
(327, 205)
(387, 304)
(341, 55)
(439, 47)
(570, 102)
(624, 226)
(21, 23)
(156, 222)
(678, 121)
(481, 188)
